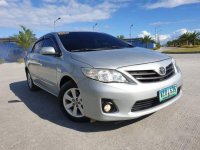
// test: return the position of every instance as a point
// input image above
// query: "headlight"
(104, 75)
(175, 65)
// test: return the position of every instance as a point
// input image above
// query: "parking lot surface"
(33, 120)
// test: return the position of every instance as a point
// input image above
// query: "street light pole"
(93, 27)
(131, 26)
(54, 23)
(130, 30)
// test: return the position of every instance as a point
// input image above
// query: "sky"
(170, 18)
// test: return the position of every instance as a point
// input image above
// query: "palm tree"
(169, 43)
(184, 38)
(25, 38)
(194, 37)
(189, 38)
(121, 37)
(147, 39)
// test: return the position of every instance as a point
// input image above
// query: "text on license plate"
(167, 93)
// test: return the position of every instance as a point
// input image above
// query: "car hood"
(117, 58)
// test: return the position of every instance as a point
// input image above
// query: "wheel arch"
(65, 79)
(26, 70)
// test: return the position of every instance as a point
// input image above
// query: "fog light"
(107, 107)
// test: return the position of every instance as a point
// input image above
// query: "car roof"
(67, 32)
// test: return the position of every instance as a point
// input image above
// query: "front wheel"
(71, 102)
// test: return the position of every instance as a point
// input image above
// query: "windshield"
(90, 41)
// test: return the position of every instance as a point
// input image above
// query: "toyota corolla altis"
(96, 76)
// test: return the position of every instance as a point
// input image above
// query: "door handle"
(39, 63)
(35, 62)
(58, 70)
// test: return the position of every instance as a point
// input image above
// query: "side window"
(49, 43)
(37, 47)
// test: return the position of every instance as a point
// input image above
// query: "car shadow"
(47, 107)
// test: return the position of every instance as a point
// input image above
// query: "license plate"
(167, 93)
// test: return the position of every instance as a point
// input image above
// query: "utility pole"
(156, 33)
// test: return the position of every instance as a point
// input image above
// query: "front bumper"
(124, 95)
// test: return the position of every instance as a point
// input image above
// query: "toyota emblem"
(162, 71)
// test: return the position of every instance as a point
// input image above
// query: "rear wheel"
(30, 83)
(71, 102)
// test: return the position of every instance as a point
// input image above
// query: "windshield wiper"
(97, 49)
(84, 50)
(109, 47)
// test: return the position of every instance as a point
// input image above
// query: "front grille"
(149, 103)
(147, 76)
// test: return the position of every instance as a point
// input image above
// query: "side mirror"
(48, 51)
(130, 45)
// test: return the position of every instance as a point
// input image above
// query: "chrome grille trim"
(147, 76)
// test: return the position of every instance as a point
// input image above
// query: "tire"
(71, 102)
(30, 83)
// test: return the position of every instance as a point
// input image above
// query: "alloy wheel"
(72, 102)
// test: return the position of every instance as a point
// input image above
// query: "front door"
(34, 62)
(48, 69)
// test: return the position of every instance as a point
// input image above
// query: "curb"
(181, 52)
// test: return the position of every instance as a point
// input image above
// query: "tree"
(194, 37)
(147, 39)
(186, 39)
(25, 38)
(169, 43)
(158, 45)
(189, 38)
(121, 37)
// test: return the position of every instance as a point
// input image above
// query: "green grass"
(21, 60)
(1, 61)
(183, 50)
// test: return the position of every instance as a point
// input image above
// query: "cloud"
(181, 31)
(144, 33)
(171, 22)
(163, 38)
(22, 12)
(170, 3)
(3, 3)
(84, 29)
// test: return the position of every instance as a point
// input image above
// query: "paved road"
(32, 120)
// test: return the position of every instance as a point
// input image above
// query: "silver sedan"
(97, 76)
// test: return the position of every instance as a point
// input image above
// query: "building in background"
(137, 42)
(9, 50)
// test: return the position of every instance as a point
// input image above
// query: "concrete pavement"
(33, 120)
